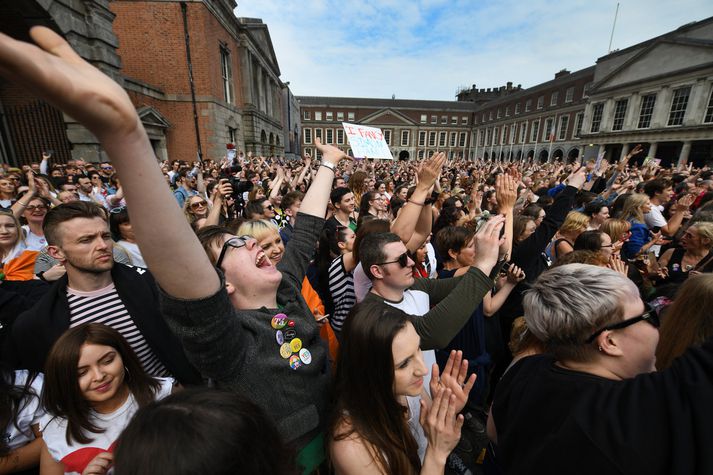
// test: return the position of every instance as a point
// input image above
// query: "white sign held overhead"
(367, 142)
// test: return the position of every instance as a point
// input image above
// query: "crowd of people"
(251, 314)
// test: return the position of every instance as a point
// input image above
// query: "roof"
(386, 102)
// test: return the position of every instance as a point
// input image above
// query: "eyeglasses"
(199, 204)
(270, 207)
(235, 243)
(36, 208)
(402, 260)
(649, 316)
(117, 210)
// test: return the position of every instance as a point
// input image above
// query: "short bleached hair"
(567, 304)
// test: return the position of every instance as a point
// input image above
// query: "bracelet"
(416, 203)
(22, 204)
(41, 276)
(327, 165)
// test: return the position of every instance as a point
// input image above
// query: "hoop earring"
(127, 373)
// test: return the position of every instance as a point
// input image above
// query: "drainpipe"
(190, 79)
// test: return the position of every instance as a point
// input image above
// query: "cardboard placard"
(367, 142)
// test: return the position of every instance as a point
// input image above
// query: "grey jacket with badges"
(238, 349)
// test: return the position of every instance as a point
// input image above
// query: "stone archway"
(542, 157)
(573, 155)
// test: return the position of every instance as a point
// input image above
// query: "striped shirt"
(341, 287)
(105, 306)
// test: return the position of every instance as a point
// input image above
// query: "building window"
(569, 95)
(496, 135)
(308, 151)
(461, 139)
(528, 105)
(482, 119)
(500, 114)
(442, 139)
(490, 115)
(585, 90)
(464, 120)
(523, 132)
(481, 138)
(504, 138)
(329, 135)
(317, 115)
(232, 135)
(619, 113)
(454, 120)
(444, 119)
(564, 123)
(434, 119)
(647, 110)
(513, 133)
(709, 110)
(405, 138)
(340, 136)
(318, 134)
(597, 111)
(507, 111)
(422, 139)
(424, 118)
(489, 137)
(554, 98)
(540, 102)
(330, 115)
(387, 136)
(578, 124)
(306, 115)
(534, 130)
(517, 108)
(452, 140)
(678, 105)
(350, 116)
(307, 135)
(431, 139)
(420, 154)
(548, 135)
(226, 73)
(340, 116)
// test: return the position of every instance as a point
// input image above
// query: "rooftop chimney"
(561, 73)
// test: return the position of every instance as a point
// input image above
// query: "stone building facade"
(658, 93)
(412, 128)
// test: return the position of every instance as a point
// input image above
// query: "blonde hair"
(632, 207)
(705, 231)
(257, 228)
(615, 228)
(190, 215)
(575, 221)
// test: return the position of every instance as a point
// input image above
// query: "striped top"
(105, 306)
(341, 287)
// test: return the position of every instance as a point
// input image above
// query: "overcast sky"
(428, 49)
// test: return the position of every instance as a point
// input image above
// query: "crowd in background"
(250, 314)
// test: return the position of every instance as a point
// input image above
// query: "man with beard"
(96, 290)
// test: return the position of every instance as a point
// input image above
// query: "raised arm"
(57, 74)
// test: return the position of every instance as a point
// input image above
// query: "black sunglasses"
(649, 316)
(402, 260)
(236, 243)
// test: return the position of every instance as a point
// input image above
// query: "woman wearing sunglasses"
(594, 404)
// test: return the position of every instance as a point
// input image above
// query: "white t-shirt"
(655, 219)
(75, 456)
(362, 284)
(30, 413)
(132, 249)
(33, 241)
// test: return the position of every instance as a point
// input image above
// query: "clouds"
(426, 49)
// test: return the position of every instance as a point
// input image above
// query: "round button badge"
(279, 321)
(285, 350)
(296, 345)
(279, 337)
(305, 356)
(295, 362)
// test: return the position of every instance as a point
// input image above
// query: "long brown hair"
(62, 396)
(687, 321)
(364, 389)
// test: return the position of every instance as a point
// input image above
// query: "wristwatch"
(328, 165)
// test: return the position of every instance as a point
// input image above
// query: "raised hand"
(505, 192)
(618, 265)
(577, 177)
(54, 72)
(487, 244)
(441, 423)
(453, 378)
(430, 169)
(329, 153)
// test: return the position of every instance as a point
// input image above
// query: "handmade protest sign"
(367, 142)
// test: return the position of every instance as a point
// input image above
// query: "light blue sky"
(427, 49)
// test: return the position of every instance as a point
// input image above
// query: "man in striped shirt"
(96, 290)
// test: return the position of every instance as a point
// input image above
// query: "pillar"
(624, 151)
(685, 151)
(653, 148)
